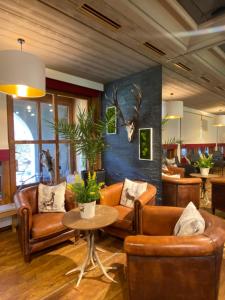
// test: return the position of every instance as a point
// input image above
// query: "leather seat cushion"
(45, 224)
(125, 218)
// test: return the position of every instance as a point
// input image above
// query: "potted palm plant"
(86, 136)
(204, 164)
(86, 194)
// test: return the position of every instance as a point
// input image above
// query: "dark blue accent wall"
(121, 158)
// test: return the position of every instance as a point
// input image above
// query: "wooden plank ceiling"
(104, 40)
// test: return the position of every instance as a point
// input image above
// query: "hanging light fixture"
(174, 110)
(22, 74)
(219, 121)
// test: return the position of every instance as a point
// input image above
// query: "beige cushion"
(172, 176)
(131, 191)
(171, 162)
(190, 222)
(51, 198)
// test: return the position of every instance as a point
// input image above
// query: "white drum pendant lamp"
(174, 110)
(21, 74)
(219, 121)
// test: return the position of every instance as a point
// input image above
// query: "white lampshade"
(21, 74)
(219, 121)
(174, 109)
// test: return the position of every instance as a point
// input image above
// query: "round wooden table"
(104, 216)
(204, 179)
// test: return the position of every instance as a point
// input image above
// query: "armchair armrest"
(24, 210)
(148, 197)
(110, 195)
(70, 200)
(142, 245)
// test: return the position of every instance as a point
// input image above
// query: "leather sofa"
(37, 231)
(163, 266)
(180, 191)
(218, 191)
(128, 220)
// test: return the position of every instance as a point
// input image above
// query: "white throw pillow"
(171, 162)
(170, 175)
(190, 222)
(51, 198)
(131, 191)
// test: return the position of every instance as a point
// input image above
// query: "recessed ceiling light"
(32, 115)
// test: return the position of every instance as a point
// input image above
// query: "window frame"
(57, 98)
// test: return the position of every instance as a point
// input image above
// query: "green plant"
(204, 161)
(86, 136)
(86, 192)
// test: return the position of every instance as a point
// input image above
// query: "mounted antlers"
(131, 123)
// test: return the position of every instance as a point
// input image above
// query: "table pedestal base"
(91, 257)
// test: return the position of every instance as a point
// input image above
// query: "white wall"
(3, 123)
(196, 128)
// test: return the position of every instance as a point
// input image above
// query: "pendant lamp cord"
(21, 42)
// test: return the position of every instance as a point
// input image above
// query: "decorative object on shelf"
(22, 74)
(204, 164)
(131, 123)
(145, 144)
(112, 127)
(86, 194)
(48, 162)
(86, 136)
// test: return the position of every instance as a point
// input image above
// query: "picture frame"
(145, 144)
(112, 112)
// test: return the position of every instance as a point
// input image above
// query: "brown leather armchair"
(128, 220)
(180, 191)
(218, 190)
(37, 231)
(175, 170)
(163, 266)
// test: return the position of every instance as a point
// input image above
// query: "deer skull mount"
(130, 124)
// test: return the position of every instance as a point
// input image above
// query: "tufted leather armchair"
(180, 191)
(128, 220)
(163, 266)
(37, 231)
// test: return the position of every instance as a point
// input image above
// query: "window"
(37, 153)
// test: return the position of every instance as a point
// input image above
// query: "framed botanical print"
(145, 143)
(112, 126)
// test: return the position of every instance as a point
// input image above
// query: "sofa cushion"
(125, 218)
(45, 224)
(51, 198)
(171, 175)
(131, 191)
(171, 162)
(190, 222)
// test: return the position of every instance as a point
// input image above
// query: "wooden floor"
(44, 277)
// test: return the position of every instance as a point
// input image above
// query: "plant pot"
(204, 171)
(87, 210)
